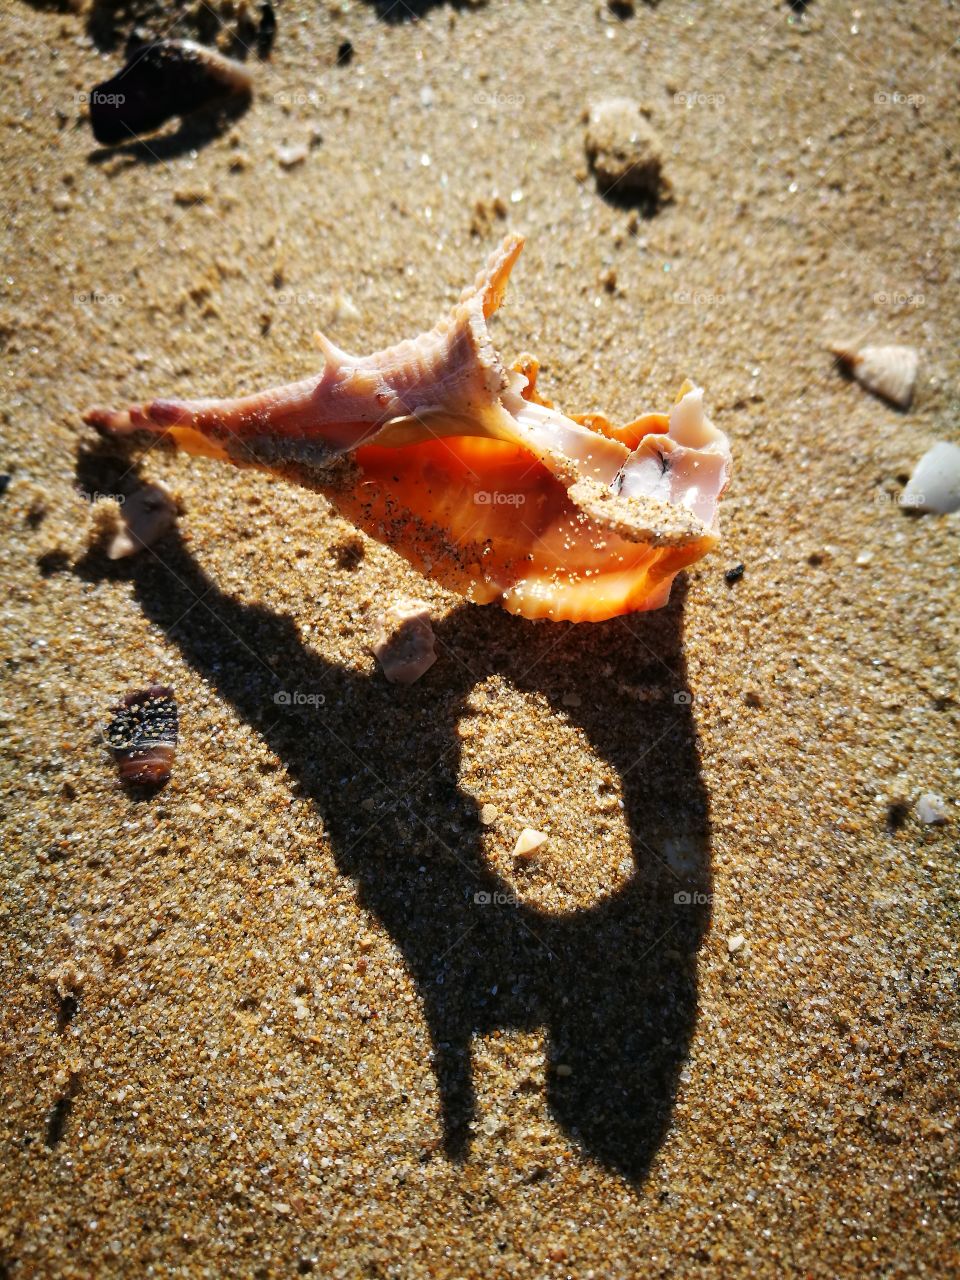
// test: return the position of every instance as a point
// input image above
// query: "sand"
(303, 1011)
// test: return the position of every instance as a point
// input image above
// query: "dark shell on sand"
(162, 80)
(143, 736)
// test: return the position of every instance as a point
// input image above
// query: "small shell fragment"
(404, 646)
(935, 483)
(143, 735)
(162, 80)
(146, 515)
(889, 372)
(289, 157)
(932, 809)
(528, 842)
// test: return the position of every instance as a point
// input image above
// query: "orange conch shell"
(438, 449)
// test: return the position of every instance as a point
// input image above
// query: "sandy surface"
(260, 1025)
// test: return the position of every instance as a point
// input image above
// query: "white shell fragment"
(146, 515)
(932, 809)
(889, 372)
(935, 483)
(404, 646)
(290, 157)
(528, 842)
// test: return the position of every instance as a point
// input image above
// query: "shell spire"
(439, 449)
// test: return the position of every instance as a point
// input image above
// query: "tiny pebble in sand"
(625, 152)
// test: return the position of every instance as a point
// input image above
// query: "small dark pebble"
(348, 554)
(143, 736)
(57, 1121)
(734, 575)
(37, 513)
(266, 32)
(162, 80)
(897, 813)
(4, 484)
(344, 53)
(69, 1005)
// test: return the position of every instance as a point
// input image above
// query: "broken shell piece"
(451, 457)
(162, 80)
(935, 483)
(932, 809)
(146, 515)
(343, 307)
(143, 736)
(290, 157)
(528, 842)
(889, 372)
(405, 646)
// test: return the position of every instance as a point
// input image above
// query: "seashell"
(932, 809)
(290, 157)
(935, 483)
(440, 450)
(889, 372)
(404, 646)
(146, 515)
(143, 735)
(162, 80)
(528, 842)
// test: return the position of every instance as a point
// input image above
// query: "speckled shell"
(143, 736)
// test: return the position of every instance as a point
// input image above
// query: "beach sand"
(302, 1011)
